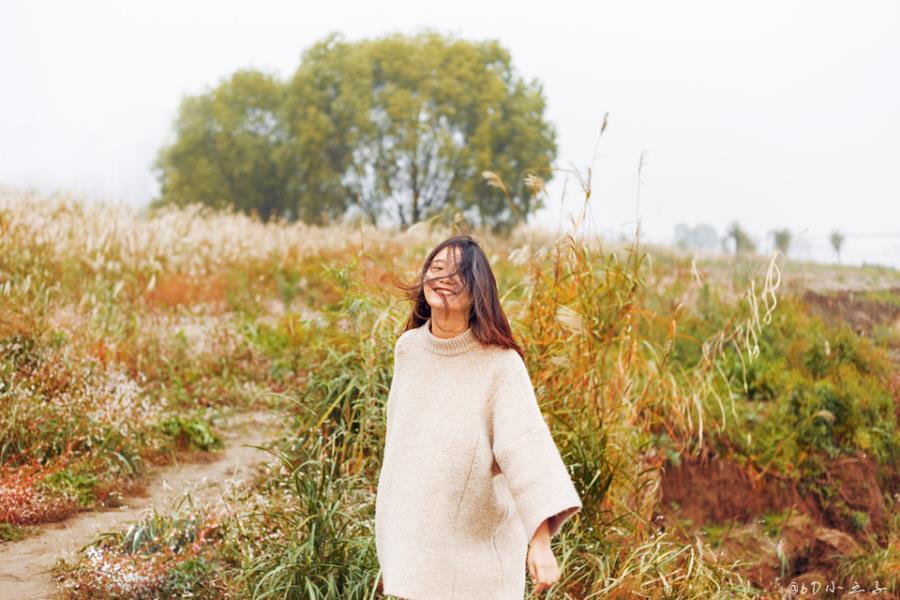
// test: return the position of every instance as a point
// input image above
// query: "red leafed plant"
(22, 503)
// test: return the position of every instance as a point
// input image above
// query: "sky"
(775, 114)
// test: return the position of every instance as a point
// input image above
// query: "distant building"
(699, 237)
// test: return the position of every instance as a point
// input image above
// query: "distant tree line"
(738, 240)
(399, 128)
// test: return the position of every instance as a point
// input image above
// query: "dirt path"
(24, 565)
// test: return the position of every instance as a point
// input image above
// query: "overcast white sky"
(773, 113)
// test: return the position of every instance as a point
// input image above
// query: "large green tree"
(230, 148)
(400, 127)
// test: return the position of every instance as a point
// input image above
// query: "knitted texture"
(469, 471)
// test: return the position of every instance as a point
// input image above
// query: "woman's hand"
(542, 566)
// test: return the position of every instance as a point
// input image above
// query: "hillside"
(732, 426)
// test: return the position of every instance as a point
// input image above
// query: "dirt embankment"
(804, 543)
(863, 311)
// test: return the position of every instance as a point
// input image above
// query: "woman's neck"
(448, 345)
(449, 326)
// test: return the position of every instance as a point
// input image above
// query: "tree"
(742, 241)
(399, 127)
(422, 116)
(229, 149)
(837, 242)
(782, 240)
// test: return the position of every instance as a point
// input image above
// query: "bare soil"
(861, 313)
(717, 490)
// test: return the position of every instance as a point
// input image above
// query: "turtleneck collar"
(449, 346)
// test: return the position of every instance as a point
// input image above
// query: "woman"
(471, 477)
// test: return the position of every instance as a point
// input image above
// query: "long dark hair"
(486, 317)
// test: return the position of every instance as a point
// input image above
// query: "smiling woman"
(445, 292)
(471, 477)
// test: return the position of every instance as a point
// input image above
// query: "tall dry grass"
(638, 357)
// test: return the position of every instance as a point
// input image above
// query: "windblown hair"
(486, 317)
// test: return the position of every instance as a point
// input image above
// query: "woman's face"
(442, 291)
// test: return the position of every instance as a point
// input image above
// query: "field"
(731, 423)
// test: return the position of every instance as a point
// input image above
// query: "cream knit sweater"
(469, 471)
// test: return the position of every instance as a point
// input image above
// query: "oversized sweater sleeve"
(389, 416)
(527, 455)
